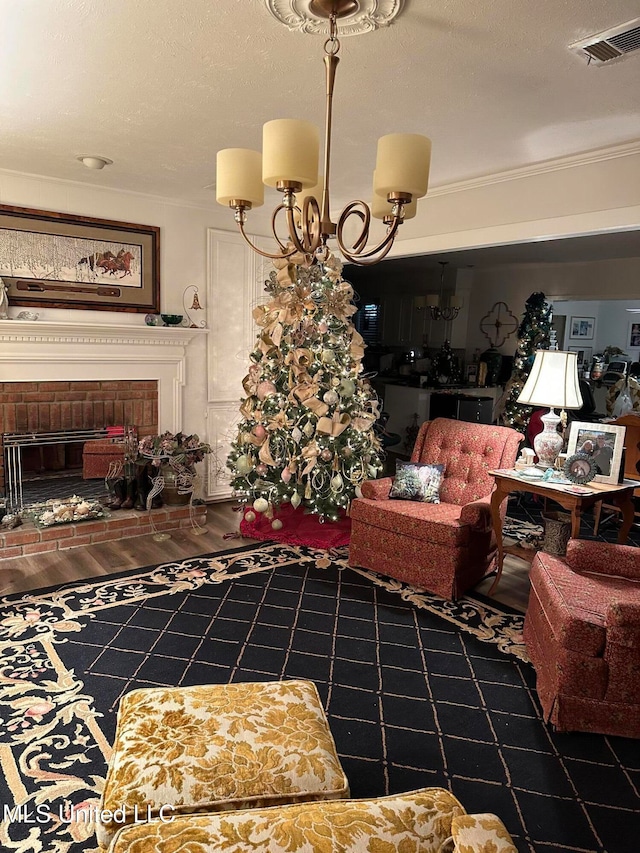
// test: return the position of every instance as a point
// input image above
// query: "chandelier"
(432, 301)
(289, 162)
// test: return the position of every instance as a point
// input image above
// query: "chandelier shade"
(239, 177)
(290, 150)
(402, 164)
(290, 163)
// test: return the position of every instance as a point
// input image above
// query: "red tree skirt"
(298, 528)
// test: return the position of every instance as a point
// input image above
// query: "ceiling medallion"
(307, 16)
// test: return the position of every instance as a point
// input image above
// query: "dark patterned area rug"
(419, 692)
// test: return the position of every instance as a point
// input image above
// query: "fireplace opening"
(48, 424)
(49, 465)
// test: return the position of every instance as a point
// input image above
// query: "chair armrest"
(377, 490)
(481, 832)
(477, 513)
(605, 558)
(623, 614)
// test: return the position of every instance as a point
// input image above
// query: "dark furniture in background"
(461, 407)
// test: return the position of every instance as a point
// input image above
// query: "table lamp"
(553, 382)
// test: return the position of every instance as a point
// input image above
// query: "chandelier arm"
(382, 248)
(279, 257)
(356, 253)
(300, 245)
(311, 224)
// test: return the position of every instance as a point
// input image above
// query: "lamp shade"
(239, 176)
(553, 381)
(402, 164)
(290, 150)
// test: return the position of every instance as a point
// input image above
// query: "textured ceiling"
(159, 86)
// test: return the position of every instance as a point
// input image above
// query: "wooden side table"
(507, 481)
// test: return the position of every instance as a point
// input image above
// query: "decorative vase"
(178, 487)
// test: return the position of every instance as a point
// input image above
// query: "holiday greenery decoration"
(534, 333)
(306, 435)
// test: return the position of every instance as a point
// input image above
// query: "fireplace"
(46, 424)
(58, 377)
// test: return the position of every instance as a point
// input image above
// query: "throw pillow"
(417, 481)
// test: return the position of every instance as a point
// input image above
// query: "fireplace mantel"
(37, 351)
(39, 330)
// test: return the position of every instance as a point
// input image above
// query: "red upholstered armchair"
(448, 547)
(582, 632)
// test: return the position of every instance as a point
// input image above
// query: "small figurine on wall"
(4, 301)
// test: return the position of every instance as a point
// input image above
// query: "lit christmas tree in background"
(307, 434)
(534, 333)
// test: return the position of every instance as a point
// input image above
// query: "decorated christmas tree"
(534, 333)
(306, 435)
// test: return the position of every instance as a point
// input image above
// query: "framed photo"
(602, 443)
(472, 374)
(582, 327)
(58, 260)
(584, 356)
(633, 340)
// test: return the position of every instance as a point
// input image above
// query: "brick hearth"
(122, 524)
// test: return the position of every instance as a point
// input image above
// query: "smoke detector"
(609, 45)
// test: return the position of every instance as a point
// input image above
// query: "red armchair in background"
(444, 548)
(582, 632)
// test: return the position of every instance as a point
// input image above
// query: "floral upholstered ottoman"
(429, 820)
(181, 750)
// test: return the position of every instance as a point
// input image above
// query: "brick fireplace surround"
(59, 375)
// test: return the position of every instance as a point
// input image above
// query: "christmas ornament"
(276, 524)
(296, 500)
(264, 389)
(326, 455)
(261, 469)
(337, 483)
(330, 398)
(243, 464)
(286, 475)
(250, 516)
(328, 356)
(296, 435)
(308, 429)
(347, 388)
(261, 505)
(259, 431)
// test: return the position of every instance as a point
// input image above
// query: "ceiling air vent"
(611, 44)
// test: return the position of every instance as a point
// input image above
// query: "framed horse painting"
(58, 260)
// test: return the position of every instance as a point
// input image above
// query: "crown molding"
(572, 161)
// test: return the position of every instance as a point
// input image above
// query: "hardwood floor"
(38, 571)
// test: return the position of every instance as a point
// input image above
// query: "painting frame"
(582, 433)
(584, 355)
(633, 335)
(118, 280)
(582, 327)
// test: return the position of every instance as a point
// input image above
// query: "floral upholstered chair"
(582, 632)
(444, 547)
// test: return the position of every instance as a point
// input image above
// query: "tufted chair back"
(468, 451)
